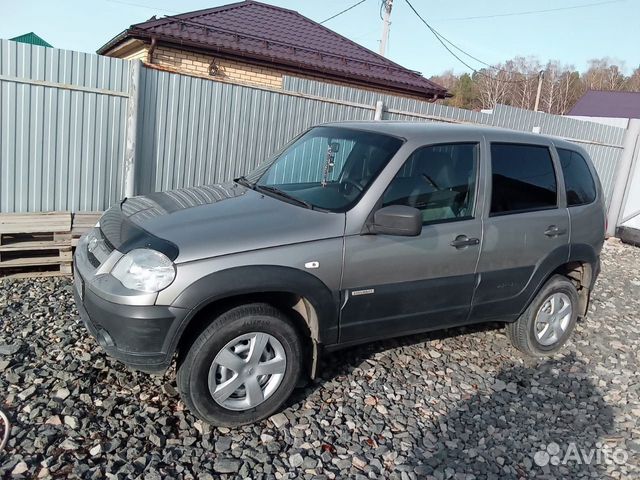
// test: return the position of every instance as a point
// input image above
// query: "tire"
(532, 337)
(239, 331)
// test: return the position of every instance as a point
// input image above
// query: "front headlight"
(144, 270)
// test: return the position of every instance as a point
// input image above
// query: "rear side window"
(523, 178)
(579, 184)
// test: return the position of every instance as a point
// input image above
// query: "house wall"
(197, 64)
(184, 61)
(140, 54)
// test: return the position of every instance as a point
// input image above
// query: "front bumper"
(141, 336)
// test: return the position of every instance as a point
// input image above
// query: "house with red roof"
(257, 44)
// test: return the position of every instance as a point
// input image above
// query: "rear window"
(523, 178)
(578, 182)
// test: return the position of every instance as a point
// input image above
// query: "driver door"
(394, 285)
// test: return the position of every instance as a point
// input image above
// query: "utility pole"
(540, 77)
(386, 4)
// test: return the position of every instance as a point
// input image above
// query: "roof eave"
(114, 42)
(293, 67)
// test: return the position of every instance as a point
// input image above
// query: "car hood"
(214, 220)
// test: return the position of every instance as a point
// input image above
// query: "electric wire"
(532, 12)
(443, 40)
(343, 11)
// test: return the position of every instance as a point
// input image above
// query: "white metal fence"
(62, 128)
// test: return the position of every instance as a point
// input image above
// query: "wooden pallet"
(35, 243)
(41, 244)
(82, 222)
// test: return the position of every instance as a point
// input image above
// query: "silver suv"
(354, 232)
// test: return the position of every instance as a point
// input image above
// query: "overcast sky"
(573, 36)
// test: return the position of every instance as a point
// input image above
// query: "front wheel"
(545, 326)
(242, 367)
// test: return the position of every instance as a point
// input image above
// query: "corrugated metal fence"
(64, 117)
(603, 142)
(62, 128)
(197, 131)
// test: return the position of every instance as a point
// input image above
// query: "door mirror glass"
(398, 220)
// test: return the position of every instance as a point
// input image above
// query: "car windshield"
(327, 168)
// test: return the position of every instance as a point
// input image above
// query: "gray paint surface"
(377, 285)
(355, 284)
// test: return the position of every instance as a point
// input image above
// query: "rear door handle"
(463, 241)
(554, 231)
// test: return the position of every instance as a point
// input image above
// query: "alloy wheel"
(247, 371)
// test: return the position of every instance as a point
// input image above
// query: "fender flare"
(259, 279)
(585, 253)
(579, 253)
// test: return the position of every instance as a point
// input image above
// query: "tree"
(464, 93)
(515, 83)
(493, 87)
(602, 74)
(633, 82)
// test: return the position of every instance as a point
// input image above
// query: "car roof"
(417, 131)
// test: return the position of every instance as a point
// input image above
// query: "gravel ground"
(459, 404)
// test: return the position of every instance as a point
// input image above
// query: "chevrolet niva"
(355, 231)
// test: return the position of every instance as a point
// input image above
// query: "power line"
(443, 39)
(131, 4)
(343, 11)
(533, 12)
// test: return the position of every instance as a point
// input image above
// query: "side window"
(523, 178)
(439, 180)
(579, 184)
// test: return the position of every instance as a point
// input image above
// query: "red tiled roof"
(283, 38)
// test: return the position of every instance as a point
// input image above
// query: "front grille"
(93, 260)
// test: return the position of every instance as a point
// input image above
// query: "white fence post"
(379, 108)
(132, 129)
(621, 179)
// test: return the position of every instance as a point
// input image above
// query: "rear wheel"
(545, 326)
(242, 367)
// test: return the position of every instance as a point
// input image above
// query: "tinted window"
(439, 180)
(523, 178)
(578, 181)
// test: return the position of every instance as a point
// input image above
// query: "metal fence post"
(630, 146)
(132, 129)
(379, 108)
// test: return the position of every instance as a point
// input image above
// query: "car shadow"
(542, 418)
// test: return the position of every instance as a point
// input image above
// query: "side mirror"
(398, 220)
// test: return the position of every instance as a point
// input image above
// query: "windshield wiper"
(283, 194)
(244, 181)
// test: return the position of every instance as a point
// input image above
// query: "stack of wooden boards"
(41, 244)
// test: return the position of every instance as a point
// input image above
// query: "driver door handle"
(462, 241)
(554, 231)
